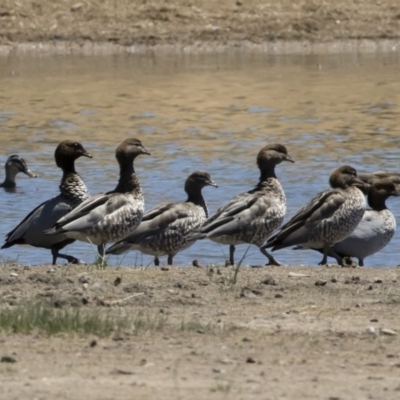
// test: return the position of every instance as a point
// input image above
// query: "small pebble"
(388, 332)
(117, 281)
(320, 283)
(14, 274)
(250, 360)
(196, 264)
(371, 330)
(8, 359)
(269, 280)
(278, 296)
(377, 280)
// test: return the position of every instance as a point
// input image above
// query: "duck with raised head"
(252, 216)
(72, 192)
(376, 228)
(14, 165)
(164, 229)
(328, 218)
(108, 217)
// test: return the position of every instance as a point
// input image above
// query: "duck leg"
(156, 261)
(170, 259)
(271, 259)
(70, 259)
(101, 261)
(101, 249)
(328, 251)
(231, 254)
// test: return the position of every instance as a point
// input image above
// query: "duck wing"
(297, 229)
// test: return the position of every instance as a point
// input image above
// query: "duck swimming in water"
(15, 165)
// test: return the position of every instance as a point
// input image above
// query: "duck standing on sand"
(376, 228)
(14, 165)
(72, 192)
(252, 216)
(165, 228)
(108, 217)
(328, 218)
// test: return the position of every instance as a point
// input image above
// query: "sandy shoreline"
(280, 47)
(278, 27)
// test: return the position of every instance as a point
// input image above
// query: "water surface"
(211, 112)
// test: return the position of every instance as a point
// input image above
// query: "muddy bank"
(279, 332)
(197, 26)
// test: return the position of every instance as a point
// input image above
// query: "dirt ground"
(279, 332)
(184, 22)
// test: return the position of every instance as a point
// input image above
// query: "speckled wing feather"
(238, 213)
(82, 210)
(296, 230)
(92, 212)
(159, 223)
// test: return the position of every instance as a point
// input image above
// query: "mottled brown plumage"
(376, 227)
(164, 229)
(108, 217)
(252, 216)
(328, 218)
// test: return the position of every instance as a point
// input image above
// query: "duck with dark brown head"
(108, 217)
(328, 218)
(252, 216)
(15, 165)
(72, 192)
(377, 226)
(164, 229)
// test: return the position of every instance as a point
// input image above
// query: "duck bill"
(212, 183)
(289, 159)
(30, 173)
(86, 154)
(145, 151)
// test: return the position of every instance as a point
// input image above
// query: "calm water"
(211, 112)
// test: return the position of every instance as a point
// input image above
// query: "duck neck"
(376, 202)
(72, 185)
(195, 196)
(267, 172)
(11, 173)
(128, 181)
(10, 179)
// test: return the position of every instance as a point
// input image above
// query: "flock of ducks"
(335, 222)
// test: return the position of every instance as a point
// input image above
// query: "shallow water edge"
(278, 47)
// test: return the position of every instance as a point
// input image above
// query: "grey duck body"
(73, 191)
(376, 228)
(164, 229)
(328, 218)
(108, 217)
(252, 216)
(15, 165)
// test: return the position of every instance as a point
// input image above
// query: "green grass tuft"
(53, 321)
